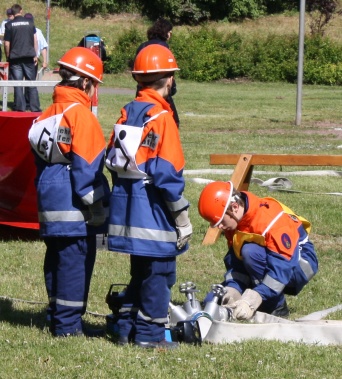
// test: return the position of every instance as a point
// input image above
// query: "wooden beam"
(279, 160)
(243, 172)
(240, 178)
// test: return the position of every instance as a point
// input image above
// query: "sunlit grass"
(222, 117)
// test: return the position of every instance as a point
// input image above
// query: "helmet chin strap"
(232, 215)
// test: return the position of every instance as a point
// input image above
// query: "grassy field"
(222, 117)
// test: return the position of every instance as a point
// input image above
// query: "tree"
(321, 13)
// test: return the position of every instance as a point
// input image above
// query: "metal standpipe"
(216, 311)
(192, 313)
(192, 305)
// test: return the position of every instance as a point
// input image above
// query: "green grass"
(224, 117)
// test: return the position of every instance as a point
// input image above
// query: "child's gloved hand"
(183, 227)
(245, 308)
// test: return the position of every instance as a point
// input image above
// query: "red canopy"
(18, 203)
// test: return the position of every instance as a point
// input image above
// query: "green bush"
(275, 59)
(181, 11)
(200, 54)
(121, 56)
(240, 9)
(328, 74)
(322, 62)
(93, 7)
(204, 55)
(323, 50)
(178, 11)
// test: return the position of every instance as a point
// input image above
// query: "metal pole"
(48, 9)
(300, 62)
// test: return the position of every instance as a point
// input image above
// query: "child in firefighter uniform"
(148, 213)
(69, 147)
(269, 254)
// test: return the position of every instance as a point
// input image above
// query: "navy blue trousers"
(68, 268)
(144, 313)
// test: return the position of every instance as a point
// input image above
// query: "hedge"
(203, 54)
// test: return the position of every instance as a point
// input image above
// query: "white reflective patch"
(64, 135)
(151, 140)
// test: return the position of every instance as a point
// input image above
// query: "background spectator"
(10, 17)
(103, 52)
(21, 45)
(159, 33)
(41, 51)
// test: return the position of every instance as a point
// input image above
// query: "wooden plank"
(211, 236)
(240, 178)
(279, 159)
(242, 173)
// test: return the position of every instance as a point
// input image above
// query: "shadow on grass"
(9, 233)
(10, 314)
(35, 318)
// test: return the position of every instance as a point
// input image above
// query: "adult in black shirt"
(159, 33)
(21, 44)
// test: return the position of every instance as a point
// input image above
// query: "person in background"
(148, 214)
(103, 52)
(21, 46)
(42, 44)
(41, 51)
(10, 17)
(72, 191)
(160, 33)
(269, 251)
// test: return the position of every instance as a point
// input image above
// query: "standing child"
(148, 213)
(72, 190)
(160, 33)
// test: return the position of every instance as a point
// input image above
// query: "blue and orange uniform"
(66, 186)
(146, 160)
(269, 251)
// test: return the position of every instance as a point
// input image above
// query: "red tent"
(18, 203)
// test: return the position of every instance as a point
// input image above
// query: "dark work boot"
(86, 332)
(157, 345)
(282, 311)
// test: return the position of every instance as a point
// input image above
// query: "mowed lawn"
(221, 117)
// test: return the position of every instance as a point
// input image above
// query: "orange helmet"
(154, 59)
(214, 201)
(84, 62)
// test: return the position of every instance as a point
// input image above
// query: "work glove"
(245, 308)
(231, 296)
(183, 227)
(97, 214)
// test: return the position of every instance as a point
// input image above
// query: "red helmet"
(214, 201)
(84, 62)
(154, 59)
